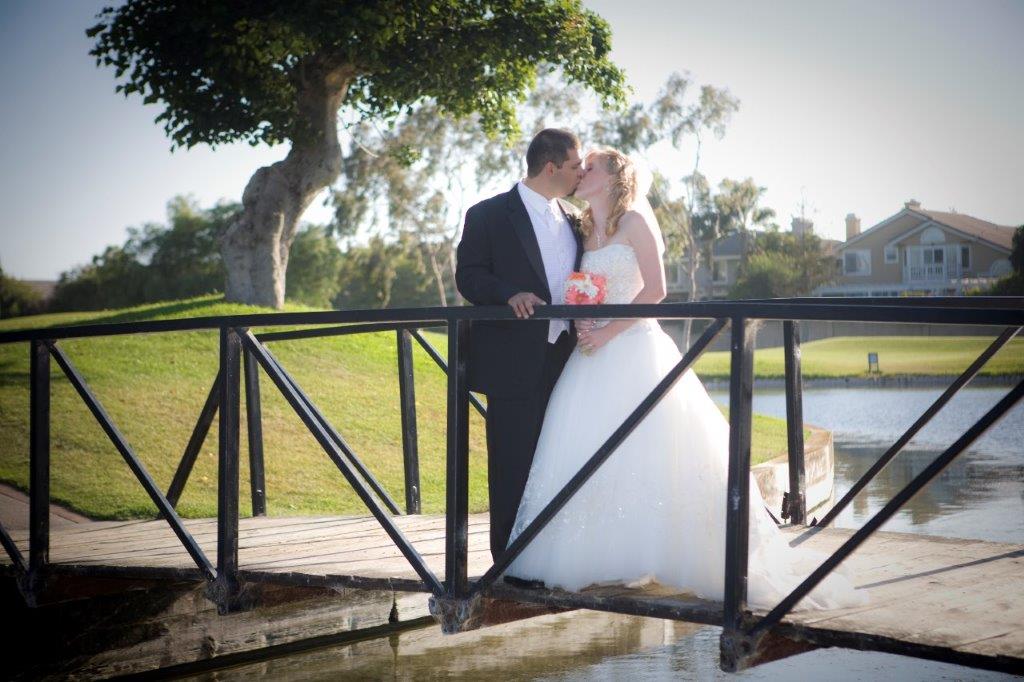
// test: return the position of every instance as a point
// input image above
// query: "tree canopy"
(228, 71)
(264, 71)
(783, 264)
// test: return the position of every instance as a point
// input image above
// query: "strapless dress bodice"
(618, 264)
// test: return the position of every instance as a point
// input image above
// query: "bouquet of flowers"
(585, 288)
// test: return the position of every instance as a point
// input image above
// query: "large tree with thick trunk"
(266, 71)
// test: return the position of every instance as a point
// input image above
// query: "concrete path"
(14, 511)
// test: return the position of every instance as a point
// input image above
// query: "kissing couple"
(556, 390)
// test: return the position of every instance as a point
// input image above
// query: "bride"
(655, 510)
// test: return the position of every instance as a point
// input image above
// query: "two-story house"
(920, 252)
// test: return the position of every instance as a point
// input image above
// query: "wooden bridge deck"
(956, 600)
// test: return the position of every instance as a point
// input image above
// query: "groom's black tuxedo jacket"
(499, 257)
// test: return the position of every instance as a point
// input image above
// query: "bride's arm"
(640, 235)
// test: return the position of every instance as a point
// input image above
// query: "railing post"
(735, 647)
(39, 466)
(254, 422)
(410, 445)
(457, 481)
(795, 505)
(226, 588)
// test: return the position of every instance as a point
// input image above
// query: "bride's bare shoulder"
(634, 224)
(633, 220)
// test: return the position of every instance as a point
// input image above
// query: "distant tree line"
(156, 262)
(181, 259)
(18, 298)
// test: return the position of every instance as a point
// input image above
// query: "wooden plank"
(427, 547)
(155, 536)
(350, 543)
(158, 543)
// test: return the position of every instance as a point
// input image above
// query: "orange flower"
(585, 288)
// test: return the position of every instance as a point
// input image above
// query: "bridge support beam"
(456, 615)
(740, 651)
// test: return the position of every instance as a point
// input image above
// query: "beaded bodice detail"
(618, 264)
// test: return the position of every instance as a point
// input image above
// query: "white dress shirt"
(557, 248)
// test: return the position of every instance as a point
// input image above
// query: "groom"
(518, 248)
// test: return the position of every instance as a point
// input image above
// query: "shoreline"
(881, 381)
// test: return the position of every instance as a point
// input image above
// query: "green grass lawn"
(154, 386)
(897, 355)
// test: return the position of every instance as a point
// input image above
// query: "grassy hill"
(154, 386)
(846, 356)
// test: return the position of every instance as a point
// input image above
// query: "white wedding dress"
(655, 510)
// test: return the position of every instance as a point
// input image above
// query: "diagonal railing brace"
(436, 357)
(195, 443)
(12, 551)
(346, 451)
(270, 366)
(119, 441)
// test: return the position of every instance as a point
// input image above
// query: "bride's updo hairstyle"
(621, 188)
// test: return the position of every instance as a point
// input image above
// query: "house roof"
(729, 245)
(1000, 236)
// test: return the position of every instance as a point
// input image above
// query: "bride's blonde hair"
(621, 189)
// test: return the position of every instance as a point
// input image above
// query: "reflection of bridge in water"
(954, 600)
(961, 481)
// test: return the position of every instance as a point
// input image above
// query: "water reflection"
(582, 645)
(873, 415)
(530, 649)
(977, 496)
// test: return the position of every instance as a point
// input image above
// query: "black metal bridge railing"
(242, 351)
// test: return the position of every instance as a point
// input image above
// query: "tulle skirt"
(655, 510)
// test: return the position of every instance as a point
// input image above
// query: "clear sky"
(848, 106)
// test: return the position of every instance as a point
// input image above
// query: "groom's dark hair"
(550, 144)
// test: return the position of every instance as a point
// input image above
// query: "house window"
(672, 273)
(933, 235)
(857, 262)
(719, 271)
(965, 257)
(891, 254)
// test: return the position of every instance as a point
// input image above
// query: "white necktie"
(552, 220)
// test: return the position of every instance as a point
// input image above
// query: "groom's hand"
(523, 302)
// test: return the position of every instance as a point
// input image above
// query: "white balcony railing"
(936, 272)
